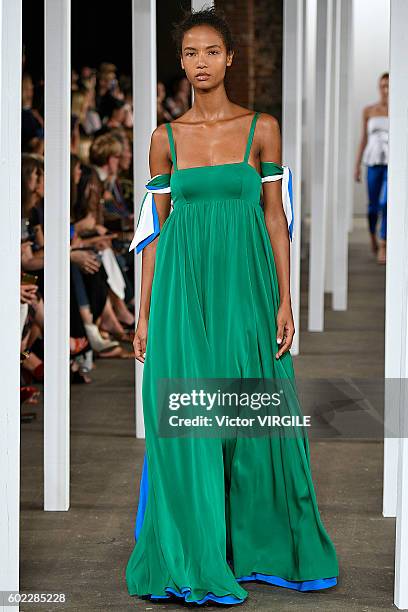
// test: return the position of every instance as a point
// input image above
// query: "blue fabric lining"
(186, 591)
(156, 228)
(305, 585)
(290, 189)
(302, 586)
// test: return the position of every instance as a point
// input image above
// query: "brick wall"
(255, 78)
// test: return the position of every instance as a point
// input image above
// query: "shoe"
(77, 345)
(36, 375)
(79, 378)
(29, 395)
(27, 417)
(125, 336)
(96, 341)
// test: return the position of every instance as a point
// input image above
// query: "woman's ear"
(181, 62)
(229, 58)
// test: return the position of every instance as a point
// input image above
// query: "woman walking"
(215, 512)
(373, 153)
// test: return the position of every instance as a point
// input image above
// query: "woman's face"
(27, 91)
(40, 185)
(32, 181)
(113, 164)
(126, 156)
(384, 89)
(119, 115)
(161, 91)
(204, 53)
(77, 173)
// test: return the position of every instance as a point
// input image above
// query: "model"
(373, 153)
(215, 512)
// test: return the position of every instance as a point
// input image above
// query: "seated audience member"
(33, 255)
(82, 107)
(163, 114)
(32, 124)
(115, 117)
(88, 224)
(180, 101)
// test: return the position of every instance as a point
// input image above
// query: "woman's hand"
(101, 229)
(357, 173)
(86, 260)
(285, 328)
(76, 241)
(88, 223)
(26, 252)
(28, 294)
(140, 340)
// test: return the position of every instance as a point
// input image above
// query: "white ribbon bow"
(287, 194)
(148, 224)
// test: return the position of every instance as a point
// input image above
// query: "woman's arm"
(363, 142)
(35, 223)
(160, 163)
(277, 226)
(39, 236)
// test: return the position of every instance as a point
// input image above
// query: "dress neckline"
(378, 117)
(246, 154)
(241, 163)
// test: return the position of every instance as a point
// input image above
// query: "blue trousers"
(377, 196)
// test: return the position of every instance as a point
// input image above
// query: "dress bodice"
(235, 181)
(229, 182)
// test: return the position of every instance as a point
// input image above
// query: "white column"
(320, 166)
(10, 231)
(309, 70)
(396, 286)
(292, 135)
(342, 152)
(57, 262)
(401, 545)
(396, 327)
(145, 121)
(331, 146)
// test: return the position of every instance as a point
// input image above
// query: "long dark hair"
(28, 165)
(74, 188)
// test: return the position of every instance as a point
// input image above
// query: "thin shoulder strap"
(251, 136)
(172, 147)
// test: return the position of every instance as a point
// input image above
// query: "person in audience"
(87, 222)
(180, 101)
(105, 90)
(163, 114)
(33, 256)
(83, 103)
(32, 123)
(117, 206)
(101, 195)
(105, 155)
(115, 119)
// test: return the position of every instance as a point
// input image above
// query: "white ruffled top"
(376, 150)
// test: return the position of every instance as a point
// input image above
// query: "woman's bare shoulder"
(268, 122)
(159, 145)
(159, 135)
(371, 110)
(268, 131)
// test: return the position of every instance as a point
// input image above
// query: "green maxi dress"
(214, 513)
